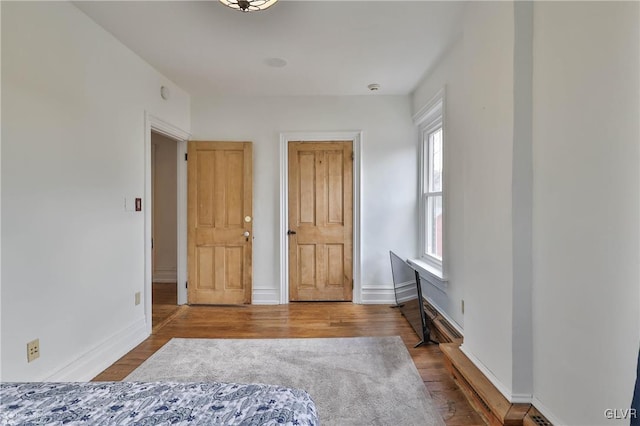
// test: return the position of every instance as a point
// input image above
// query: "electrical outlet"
(137, 298)
(33, 350)
(462, 305)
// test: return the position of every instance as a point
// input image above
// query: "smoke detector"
(373, 87)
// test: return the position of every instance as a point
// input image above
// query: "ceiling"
(330, 47)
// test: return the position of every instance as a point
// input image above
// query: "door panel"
(321, 215)
(219, 199)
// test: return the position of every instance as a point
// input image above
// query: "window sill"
(432, 275)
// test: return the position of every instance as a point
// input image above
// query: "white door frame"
(153, 123)
(356, 139)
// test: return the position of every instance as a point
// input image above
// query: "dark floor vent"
(541, 421)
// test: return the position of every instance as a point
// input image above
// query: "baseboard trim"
(405, 291)
(265, 296)
(165, 275)
(506, 393)
(378, 296)
(480, 391)
(96, 360)
(370, 296)
(536, 415)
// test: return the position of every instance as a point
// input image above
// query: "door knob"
(290, 232)
(245, 234)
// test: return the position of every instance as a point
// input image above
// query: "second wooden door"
(320, 221)
(219, 222)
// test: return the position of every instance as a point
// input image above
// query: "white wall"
(488, 158)
(389, 163)
(73, 103)
(586, 208)
(522, 204)
(548, 121)
(0, 198)
(488, 123)
(165, 223)
(449, 73)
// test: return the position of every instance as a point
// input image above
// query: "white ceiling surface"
(331, 47)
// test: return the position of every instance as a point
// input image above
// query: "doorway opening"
(164, 228)
(156, 125)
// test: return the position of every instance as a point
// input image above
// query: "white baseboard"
(521, 398)
(164, 280)
(377, 295)
(265, 296)
(165, 275)
(370, 295)
(546, 412)
(405, 291)
(504, 390)
(96, 360)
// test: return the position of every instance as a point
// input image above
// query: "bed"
(154, 403)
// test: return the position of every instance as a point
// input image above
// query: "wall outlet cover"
(33, 350)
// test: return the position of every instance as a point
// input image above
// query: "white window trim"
(433, 276)
(428, 118)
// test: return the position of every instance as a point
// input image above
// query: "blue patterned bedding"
(158, 403)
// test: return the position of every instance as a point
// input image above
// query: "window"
(432, 184)
(432, 202)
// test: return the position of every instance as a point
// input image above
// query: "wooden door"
(320, 221)
(219, 222)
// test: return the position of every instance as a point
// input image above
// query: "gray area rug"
(353, 381)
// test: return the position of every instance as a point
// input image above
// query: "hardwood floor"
(306, 320)
(164, 299)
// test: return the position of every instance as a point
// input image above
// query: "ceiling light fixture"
(248, 5)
